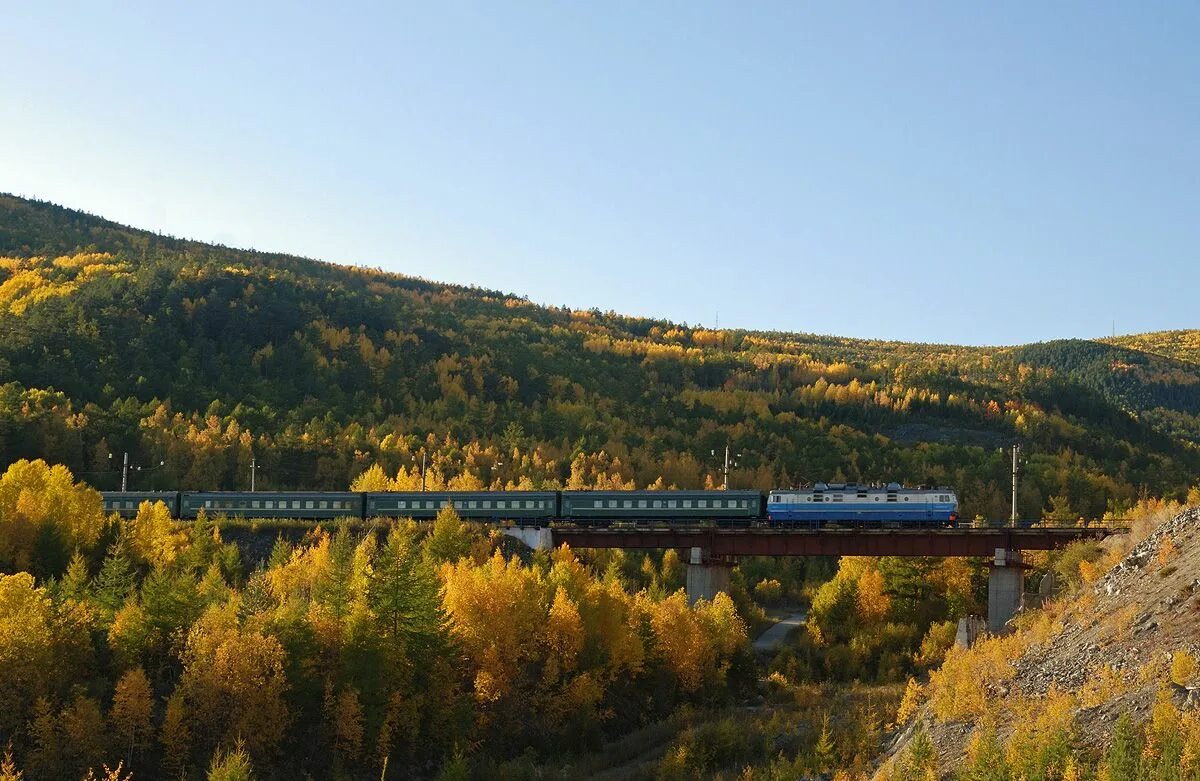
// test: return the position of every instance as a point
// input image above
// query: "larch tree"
(27, 648)
(85, 734)
(450, 539)
(131, 710)
(8, 768)
(1122, 761)
(151, 534)
(402, 592)
(496, 611)
(76, 581)
(46, 759)
(347, 718)
(37, 499)
(372, 479)
(234, 683)
(232, 765)
(175, 735)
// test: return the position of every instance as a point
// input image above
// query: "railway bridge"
(712, 552)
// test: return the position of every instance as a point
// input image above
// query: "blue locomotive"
(853, 504)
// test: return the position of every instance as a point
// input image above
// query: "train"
(822, 505)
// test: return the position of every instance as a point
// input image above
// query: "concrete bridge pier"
(1006, 588)
(706, 576)
(535, 537)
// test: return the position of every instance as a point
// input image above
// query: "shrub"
(768, 592)
(1183, 667)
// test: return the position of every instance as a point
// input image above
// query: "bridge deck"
(831, 542)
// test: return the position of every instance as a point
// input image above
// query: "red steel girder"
(830, 542)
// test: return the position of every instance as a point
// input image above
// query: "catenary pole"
(1016, 450)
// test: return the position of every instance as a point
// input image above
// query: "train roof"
(863, 487)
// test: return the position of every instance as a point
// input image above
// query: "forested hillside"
(1183, 345)
(203, 357)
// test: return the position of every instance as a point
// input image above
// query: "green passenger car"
(265, 504)
(482, 505)
(661, 505)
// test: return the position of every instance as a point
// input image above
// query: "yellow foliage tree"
(696, 643)
(35, 496)
(131, 708)
(496, 611)
(768, 591)
(176, 735)
(564, 637)
(873, 601)
(27, 647)
(373, 479)
(348, 725)
(910, 702)
(450, 538)
(84, 733)
(151, 534)
(8, 768)
(130, 635)
(233, 682)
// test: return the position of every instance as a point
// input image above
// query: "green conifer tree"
(115, 581)
(1123, 760)
(76, 582)
(825, 752)
(231, 766)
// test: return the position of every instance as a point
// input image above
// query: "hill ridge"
(7, 200)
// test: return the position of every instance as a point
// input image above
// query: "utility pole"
(725, 471)
(1016, 450)
(253, 469)
(125, 472)
(422, 471)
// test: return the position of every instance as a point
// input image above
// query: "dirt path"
(771, 639)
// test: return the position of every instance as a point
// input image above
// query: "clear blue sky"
(958, 172)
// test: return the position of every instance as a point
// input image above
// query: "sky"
(942, 172)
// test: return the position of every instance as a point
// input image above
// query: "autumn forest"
(230, 649)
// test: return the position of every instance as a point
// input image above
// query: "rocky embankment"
(1111, 645)
(1143, 610)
